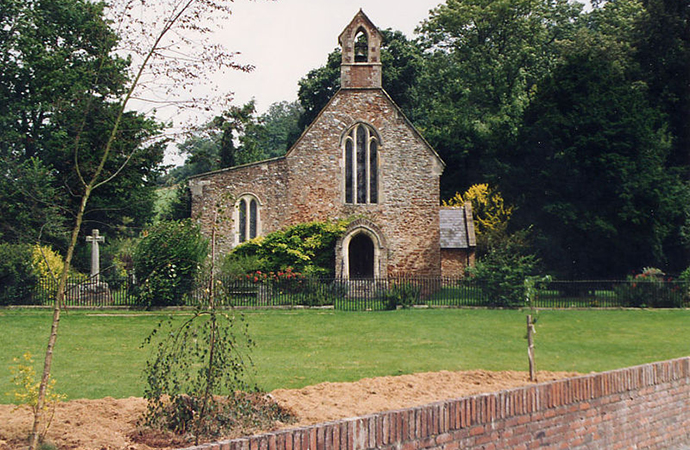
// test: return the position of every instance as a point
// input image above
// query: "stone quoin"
(360, 158)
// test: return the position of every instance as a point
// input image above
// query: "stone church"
(361, 159)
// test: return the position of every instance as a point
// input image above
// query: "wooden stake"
(530, 347)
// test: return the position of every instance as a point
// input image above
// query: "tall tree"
(30, 202)
(237, 123)
(239, 136)
(590, 167)
(280, 128)
(663, 45)
(52, 52)
(484, 66)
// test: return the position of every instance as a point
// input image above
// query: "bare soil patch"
(111, 424)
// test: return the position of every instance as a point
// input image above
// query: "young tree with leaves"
(99, 84)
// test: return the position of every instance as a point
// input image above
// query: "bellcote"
(361, 48)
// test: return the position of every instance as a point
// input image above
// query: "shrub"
(167, 260)
(502, 271)
(650, 289)
(304, 290)
(17, 277)
(236, 265)
(26, 388)
(195, 380)
(48, 266)
(402, 293)
(307, 248)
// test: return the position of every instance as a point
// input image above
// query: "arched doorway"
(361, 252)
(361, 257)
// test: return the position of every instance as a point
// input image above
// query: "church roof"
(457, 227)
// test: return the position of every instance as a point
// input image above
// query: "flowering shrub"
(47, 266)
(651, 288)
(307, 290)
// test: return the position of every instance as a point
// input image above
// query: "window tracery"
(361, 148)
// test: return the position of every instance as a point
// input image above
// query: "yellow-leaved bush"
(489, 210)
(47, 265)
(26, 387)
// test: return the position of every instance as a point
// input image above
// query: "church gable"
(362, 159)
(363, 151)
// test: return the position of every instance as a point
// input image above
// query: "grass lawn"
(99, 352)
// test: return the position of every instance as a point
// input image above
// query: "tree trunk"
(52, 339)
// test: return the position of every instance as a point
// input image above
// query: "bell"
(361, 52)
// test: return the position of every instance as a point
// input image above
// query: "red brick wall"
(639, 407)
(454, 261)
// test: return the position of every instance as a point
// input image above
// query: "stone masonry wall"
(308, 184)
(638, 407)
(267, 181)
(409, 172)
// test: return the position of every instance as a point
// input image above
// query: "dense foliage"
(307, 248)
(167, 260)
(17, 276)
(502, 271)
(59, 77)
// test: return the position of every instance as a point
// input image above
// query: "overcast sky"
(285, 39)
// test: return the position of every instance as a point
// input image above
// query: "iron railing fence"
(372, 294)
(108, 291)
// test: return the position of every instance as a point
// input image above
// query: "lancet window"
(361, 148)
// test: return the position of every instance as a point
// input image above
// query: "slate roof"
(457, 227)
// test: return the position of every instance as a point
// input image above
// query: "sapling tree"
(195, 379)
(153, 37)
(532, 286)
(193, 363)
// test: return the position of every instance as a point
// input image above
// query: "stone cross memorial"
(95, 239)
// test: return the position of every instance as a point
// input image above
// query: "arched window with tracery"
(361, 148)
(247, 218)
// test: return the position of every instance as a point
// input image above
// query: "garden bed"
(110, 424)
